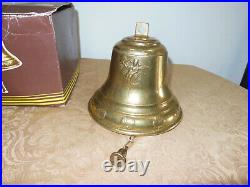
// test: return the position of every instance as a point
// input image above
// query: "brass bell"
(9, 61)
(135, 99)
(121, 154)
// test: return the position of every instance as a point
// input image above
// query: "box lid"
(33, 8)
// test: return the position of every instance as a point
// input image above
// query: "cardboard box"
(40, 53)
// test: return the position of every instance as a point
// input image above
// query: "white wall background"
(213, 36)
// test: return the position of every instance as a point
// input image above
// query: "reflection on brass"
(135, 99)
(9, 61)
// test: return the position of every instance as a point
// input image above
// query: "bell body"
(135, 99)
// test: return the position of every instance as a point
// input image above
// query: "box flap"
(33, 8)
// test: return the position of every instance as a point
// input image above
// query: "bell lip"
(127, 133)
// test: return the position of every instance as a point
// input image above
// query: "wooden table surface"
(65, 145)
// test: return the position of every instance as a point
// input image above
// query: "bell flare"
(134, 120)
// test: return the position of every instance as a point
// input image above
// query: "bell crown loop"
(142, 29)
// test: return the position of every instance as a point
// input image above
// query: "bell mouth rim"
(126, 132)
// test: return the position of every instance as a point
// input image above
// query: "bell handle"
(141, 29)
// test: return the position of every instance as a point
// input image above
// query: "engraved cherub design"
(131, 69)
(9, 61)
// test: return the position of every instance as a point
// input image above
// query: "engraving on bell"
(135, 99)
